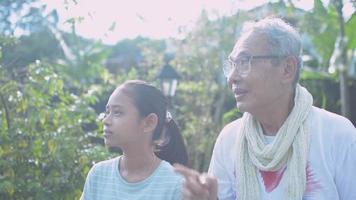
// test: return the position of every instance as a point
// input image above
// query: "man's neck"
(273, 116)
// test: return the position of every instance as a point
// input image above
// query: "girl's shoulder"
(105, 165)
(167, 180)
(166, 170)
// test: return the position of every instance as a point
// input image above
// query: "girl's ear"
(150, 123)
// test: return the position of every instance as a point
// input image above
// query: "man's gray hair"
(282, 38)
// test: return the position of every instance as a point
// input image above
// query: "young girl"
(136, 120)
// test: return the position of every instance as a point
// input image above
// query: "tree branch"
(7, 114)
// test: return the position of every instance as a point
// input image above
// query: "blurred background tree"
(46, 111)
(53, 85)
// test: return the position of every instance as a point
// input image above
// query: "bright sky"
(153, 18)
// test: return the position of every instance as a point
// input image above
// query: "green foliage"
(46, 109)
(87, 67)
(45, 151)
(27, 49)
(231, 116)
(322, 26)
(350, 31)
(324, 89)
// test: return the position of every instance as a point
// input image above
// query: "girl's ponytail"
(172, 148)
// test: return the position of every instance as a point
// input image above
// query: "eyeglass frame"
(233, 64)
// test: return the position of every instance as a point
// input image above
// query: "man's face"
(261, 87)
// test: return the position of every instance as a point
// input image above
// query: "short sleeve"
(222, 163)
(88, 192)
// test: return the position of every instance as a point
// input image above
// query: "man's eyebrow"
(241, 54)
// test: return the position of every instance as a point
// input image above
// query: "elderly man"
(282, 147)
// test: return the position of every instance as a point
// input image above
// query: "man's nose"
(233, 77)
(107, 120)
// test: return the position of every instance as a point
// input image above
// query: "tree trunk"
(343, 75)
(219, 104)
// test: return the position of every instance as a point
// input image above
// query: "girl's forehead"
(119, 98)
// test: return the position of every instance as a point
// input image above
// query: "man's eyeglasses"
(243, 64)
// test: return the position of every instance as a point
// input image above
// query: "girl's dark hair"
(166, 137)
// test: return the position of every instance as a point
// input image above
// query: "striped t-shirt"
(104, 182)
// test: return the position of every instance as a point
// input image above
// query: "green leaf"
(52, 146)
(43, 116)
(7, 187)
(319, 8)
(37, 148)
(350, 32)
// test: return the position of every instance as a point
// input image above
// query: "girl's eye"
(114, 113)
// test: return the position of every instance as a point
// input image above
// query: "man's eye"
(244, 61)
(241, 60)
(116, 112)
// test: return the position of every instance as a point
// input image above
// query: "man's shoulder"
(333, 125)
(230, 131)
(235, 123)
(328, 118)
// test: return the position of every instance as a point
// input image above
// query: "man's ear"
(150, 123)
(290, 69)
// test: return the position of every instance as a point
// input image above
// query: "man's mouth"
(239, 91)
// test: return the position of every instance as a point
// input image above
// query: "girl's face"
(123, 124)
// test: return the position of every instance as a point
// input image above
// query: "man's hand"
(197, 186)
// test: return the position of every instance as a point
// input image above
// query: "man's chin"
(240, 106)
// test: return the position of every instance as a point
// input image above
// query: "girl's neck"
(135, 167)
